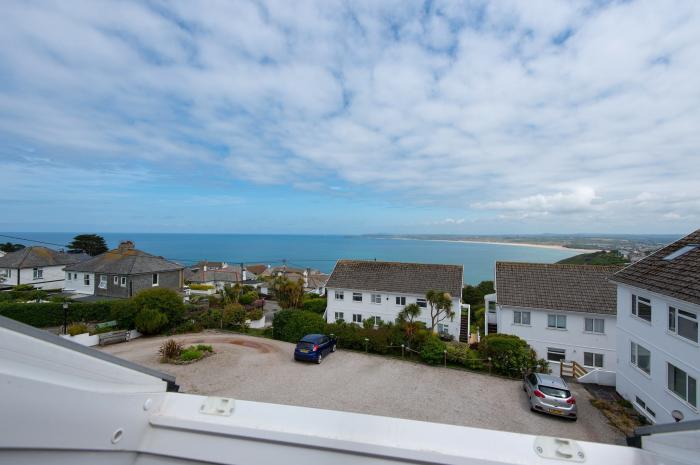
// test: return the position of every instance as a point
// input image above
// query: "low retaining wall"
(602, 377)
(88, 340)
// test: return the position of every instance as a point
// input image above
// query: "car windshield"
(305, 345)
(554, 392)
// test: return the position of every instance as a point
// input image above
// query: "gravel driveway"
(263, 370)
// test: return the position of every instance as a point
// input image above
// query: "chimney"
(125, 245)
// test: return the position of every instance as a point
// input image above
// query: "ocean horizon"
(315, 251)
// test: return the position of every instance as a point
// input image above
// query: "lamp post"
(65, 317)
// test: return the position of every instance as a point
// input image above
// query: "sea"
(314, 251)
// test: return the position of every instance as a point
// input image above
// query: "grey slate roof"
(678, 278)
(125, 262)
(35, 256)
(230, 274)
(407, 278)
(574, 288)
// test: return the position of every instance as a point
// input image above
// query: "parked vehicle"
(313, 347)
(550, 394)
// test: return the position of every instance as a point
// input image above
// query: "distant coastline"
(516, 244)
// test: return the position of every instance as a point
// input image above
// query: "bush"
(151, 321)
(170, 349)
(191, 353)
(166, 301)
(510, 355)
(314, 304)
(459, 353)
(189, 326)
(234, 316)
(201, 287)
(433, 351)
(77, 328)
(204, 348)
(255, 314)
(248, 298)
(292, 325)
(124, 312)
(43, 315)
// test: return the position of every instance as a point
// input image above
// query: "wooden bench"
(113, 337)
(106, 324)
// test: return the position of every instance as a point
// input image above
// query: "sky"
(346, 117)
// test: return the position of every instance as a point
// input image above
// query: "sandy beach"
(516, 244)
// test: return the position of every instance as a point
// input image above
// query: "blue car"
(313, 347)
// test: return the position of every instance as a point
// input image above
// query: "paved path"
(263, 370)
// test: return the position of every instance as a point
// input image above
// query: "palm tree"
(407, 318)
(440, 307)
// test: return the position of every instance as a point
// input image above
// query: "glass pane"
(692, 391)
(644, 311)
(672, 319)
(561, 322)
(588, 359)
(688, 328)
(679, 382)
(633, 353)
(516, 317)
(599, 325)
(552, 321)
(589, 324)
(643, 359)
(526, 318)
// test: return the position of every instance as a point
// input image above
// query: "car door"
(325, 346)
(530, 383)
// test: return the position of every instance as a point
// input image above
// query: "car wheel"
(319, 359)
(333, 348)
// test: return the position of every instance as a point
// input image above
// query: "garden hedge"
(43, 315)
(292, 325)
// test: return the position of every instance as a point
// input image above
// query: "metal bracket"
(221, 406)
(559, 449)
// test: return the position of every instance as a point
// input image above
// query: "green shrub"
(510, 355)
(124, 312)
(234, 316)
(201, 287)
(166, 301)
(77, 328)
(189, 326)
(248, 298)
(314, 304)
(433, 351)
(191, 353)
(170, 350)
(150, 321)
(204, 348)
(104, 329)
(459, 353)
(255, 314)
(43, 315)
(292, 325)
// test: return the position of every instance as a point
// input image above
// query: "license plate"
(305, 350)
(557, 412)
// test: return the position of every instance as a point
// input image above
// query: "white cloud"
(577, 200)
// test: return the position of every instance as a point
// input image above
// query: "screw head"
(539, 449)
(580, 454)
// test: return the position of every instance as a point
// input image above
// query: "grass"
(620, 414)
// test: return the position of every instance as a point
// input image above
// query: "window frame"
(593, 321)
(342, 316)
(102, 283)
(635, 307)
(675, 315)
(68, 276)
(422, 303)
(634, 357)
(401, 300)
(556, 350)
(339, 295)
(594, 357)
(86, 279)
(115, 280)
(687, 399)
(357, 320)
(37, 273)
(521, 314)
(155, 279)
(557, 317)
(355, 295)
(378, 299)
(122, 282)
(443, 328)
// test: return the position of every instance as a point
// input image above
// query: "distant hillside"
(597, 258)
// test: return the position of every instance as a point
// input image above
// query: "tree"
(290, 294)
(163, 300)
(440, 307)
(474, 295)
(231, 294)
(91, 244)
(8, 247)
(407, 317)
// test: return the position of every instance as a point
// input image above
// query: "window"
(115, 280)
(683, 323)
(521, 318)
(356, 318)
(595, 325)
(339, 316)
(357, 296)
(103, 282)
(68, 276)
(155, 279)
(682, 251)
(376, 299)
(641, 307)
(682, 385)
(640, 357)
(339, 295)
(75, 276)
(400, 300)
(643, 406)
(591, 359)
(422, 303)
(38, 273)
(443, 328)
(555, 355)
(86, 279)
(556, 321)
(123, 281)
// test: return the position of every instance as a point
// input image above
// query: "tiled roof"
(256, 268)
(30, 257)
(678, 278)
(125, 261)
(198, 275)
(575, 288)
(408, 278)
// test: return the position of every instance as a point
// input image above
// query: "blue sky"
(350, 117)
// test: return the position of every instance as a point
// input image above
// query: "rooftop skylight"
(682, 251)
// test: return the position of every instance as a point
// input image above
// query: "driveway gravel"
(263, 370)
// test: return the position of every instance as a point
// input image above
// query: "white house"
(658, 307)
(564, 312)
(39, 266)
(359, 289)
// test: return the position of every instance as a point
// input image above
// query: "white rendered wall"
(387, 310)
(574, 339)
(78, 285)
(52, 277)
(665, 348)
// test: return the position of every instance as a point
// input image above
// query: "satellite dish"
(677, 415)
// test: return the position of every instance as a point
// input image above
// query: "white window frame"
(555, 350)
(37, 273)
(634, 357)
(690, 400)
(519, 318)
(339, 295)
(376, 298)
(339, 316)
(400, 300)
(123, 281)
(355, 296)
(68, 276)
(557, 318)
(422, 303)
(636, 301)
(595, 357)
(675, 314)
(103, 282)
(155, 279)
(443, 328)
(594, 328)
(86, 279)
(115, 280)
(357, 318)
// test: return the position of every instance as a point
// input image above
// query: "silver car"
(550, 394)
